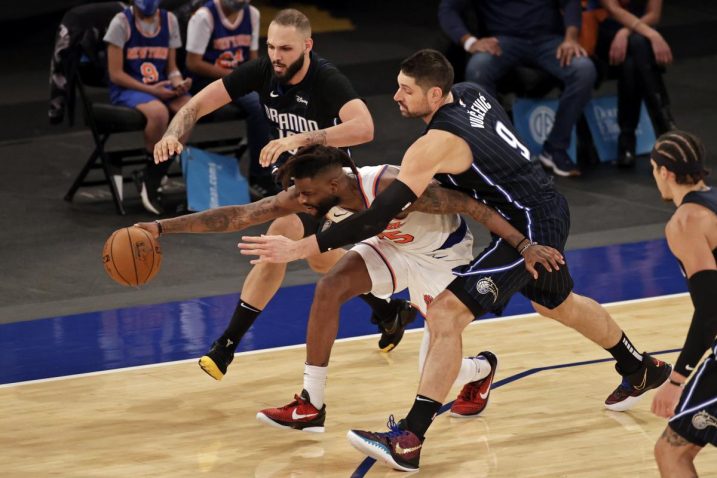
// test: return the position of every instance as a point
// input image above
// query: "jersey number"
(149, 72)
(229, 60)
(396, 236)
(508, 136)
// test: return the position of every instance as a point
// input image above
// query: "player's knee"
(445, 318)
(334, 287)
(662, 452)
(584, 72)
(156, 114)
(287, 226)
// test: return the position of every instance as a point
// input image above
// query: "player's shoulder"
(688, 219)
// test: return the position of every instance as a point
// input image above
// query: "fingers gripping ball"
(131, 256)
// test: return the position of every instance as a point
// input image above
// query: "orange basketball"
(131, 256)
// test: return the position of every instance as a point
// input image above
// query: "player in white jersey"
(417, 251)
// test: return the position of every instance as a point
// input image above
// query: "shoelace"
(394, 429)
(297, 400)
(468, 393)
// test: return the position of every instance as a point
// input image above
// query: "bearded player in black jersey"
(308, 101)
(678, 168)
(470, 144)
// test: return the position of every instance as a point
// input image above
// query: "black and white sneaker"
(559, 162)
(148, 195)
(217, 360)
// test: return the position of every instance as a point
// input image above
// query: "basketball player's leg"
(148, 181)
(551, 295)
(348, 278)
(157, 115)
(675, 455)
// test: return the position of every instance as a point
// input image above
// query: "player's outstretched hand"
(167, 147)
(274, 148)
(665, 400)
(548, 257)
(273, 249)
(150, 227)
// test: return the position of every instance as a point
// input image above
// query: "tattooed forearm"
(225, 219)
(315, 137)
(183, 121)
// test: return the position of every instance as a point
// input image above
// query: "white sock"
(472, 368)
(315, 384)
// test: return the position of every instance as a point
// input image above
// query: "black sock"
(384, 309)
(244, 315)
(628, 359)
(421, 416)
(155, 172)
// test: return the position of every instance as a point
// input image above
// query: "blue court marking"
(367, 463)
(133, 336)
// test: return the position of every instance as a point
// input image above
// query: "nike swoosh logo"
(688, 367)
(423, 399)
(339, 215)
(485, 395)
(643, 383)
(274, 95)
(402, 451)
(299, 416)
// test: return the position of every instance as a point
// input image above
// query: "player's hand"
(150, 227)
(662, 51)
(618, 47)
(568, 50)
(548, 257)
(488, 45)
(665, 400)
(167, 147)
(273, 149)
(183, 87)
(272, 249)
(161, 91)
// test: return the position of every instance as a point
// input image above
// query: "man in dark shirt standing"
(307, 100)
(532, 33)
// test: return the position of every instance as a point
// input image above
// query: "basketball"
(131, 256)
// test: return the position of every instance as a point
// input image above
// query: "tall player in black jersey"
(470, 144)
(677, 165)
(307, 100)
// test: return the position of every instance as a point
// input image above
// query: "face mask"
(147, 26)
(234, 5)
(147, 7)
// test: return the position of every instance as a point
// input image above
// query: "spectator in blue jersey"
(637, 54)
(538, 33)
(142, 43)
(223, 34)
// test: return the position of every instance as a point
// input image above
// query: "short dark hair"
(310, 161)
(290, 17)
(429, 68)
(681, 153)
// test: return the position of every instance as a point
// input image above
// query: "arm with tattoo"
(439, 200)
(234, 218)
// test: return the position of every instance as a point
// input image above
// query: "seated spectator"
(636, 53)
(142, 42)
(533, 33)
(221, 35)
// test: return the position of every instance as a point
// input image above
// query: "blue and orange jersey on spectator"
(145, 57)
(229, 44)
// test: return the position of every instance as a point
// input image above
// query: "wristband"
(676, 384)
(174, 73)
(469, 43)
(159, 227)
(525, 247)
(517, 246)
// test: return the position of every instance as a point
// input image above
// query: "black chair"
(104, 120)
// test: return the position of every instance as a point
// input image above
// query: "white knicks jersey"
(418, 232)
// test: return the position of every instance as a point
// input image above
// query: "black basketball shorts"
(498, 272)
(695, 417)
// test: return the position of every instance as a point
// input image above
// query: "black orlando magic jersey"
(312, 104)
(502, 174)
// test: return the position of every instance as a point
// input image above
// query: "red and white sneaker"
(474, 396)
(299, 415)
(399, 448)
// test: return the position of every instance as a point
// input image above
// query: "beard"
(322, 209)
(290, 71)
(412, 114)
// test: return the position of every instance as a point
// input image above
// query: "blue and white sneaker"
(559, 162)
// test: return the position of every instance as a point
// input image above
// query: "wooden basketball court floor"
(173, 420)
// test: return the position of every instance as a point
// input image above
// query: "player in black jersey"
(307, 100)
(677, 165)
(470, 144)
